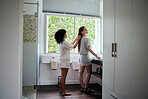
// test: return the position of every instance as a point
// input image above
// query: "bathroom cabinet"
(124, 34)
(98, 71)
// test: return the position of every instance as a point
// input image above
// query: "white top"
(64, 49)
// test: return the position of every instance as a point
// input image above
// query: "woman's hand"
(98, 57)
(78, 37)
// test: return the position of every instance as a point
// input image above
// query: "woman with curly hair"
(64, 59)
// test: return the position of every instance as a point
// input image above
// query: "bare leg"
(64, 72)
(88, 75)
(81, 71)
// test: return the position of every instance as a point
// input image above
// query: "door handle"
(115, 97)
(114, 49)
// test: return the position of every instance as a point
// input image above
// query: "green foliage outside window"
(71, 25)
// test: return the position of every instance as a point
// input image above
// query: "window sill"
(45, 58)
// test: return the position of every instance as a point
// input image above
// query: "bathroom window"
(71, 24)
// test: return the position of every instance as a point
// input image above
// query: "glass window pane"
(67, 23)
(90, 25)
(93, 28)
(78, 23)
(52, 28)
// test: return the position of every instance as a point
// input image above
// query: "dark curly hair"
(79, 42)
(59, 35)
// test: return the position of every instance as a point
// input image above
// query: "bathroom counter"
(98, 62)
(98, 72)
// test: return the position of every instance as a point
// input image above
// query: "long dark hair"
(59, 35)
(79, 42)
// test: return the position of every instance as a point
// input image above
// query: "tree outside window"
(71, 25)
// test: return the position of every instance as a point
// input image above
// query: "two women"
(84, 60)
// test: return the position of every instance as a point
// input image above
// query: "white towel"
(75, 65)
(54, 64)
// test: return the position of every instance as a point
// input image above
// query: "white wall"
(140, 49)
(11, 26)
(50, 77)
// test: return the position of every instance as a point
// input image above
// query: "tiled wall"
(29, 28)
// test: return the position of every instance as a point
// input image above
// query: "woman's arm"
(78, 38)
(93, 52)
(74, 41)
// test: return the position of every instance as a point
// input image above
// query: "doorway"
(30, 50)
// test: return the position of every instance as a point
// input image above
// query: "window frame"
(75, 16)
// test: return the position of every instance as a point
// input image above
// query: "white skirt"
(64, 63)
